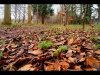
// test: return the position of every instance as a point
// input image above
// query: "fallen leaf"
(72, 60)
(54, 67)
(60, 43)
(70, 41)
(97, 52)
(69, 54)
(27, 67)
(78, 48)
(81, 60)
(35, 52)
(64, 66)
(90, 69)
(93, 62)
(78, 68)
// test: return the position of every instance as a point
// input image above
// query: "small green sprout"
(60, 49)
(97, 46)
(1, 54)
(45, 44)
(2, 42)
(63, 48)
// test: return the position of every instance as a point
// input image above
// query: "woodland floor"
(69, 48)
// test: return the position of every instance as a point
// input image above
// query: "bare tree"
(7, 14)
(29, 14)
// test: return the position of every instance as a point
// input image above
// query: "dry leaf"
(97, 52)
(70, 41)
(90, 69)
(81, 60)
(93, 62)
(69, 54)
(64, 65)
(78, 48)
(72, 60)
(60, 43)
(35, 52)
(78, 68)
(27, 67)
(53, 67)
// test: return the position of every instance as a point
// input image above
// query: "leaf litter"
(21, 51)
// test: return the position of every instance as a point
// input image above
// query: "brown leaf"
(14, 45)
(35, 52)
(82, 59)
(78, 68)
(64, 65)
(70, 41)
(60, 43)
(54, 67)
(27, 67)
(78, 48)
(69, 54)
(62, 38)
(90, 69)
(72, 60)
(20, 52)
(31, 46)
(93, 62)
(97, 52)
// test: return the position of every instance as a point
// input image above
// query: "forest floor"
(49, 48)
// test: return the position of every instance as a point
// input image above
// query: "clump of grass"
(45, 44)
(60, 49)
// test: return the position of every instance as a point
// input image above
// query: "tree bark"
(29, 14)
(42, 19)
(84, 15)
(7, 14)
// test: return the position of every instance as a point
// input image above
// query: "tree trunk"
(7, 14)
(29, 14)
(15, 13)
(24, 14)
(42, 19)
(84, 15)
(37, 13)
(98, 13)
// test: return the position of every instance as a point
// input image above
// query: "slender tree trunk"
(29, 14)
(15, 13)
(19, 14)
(37, 14)
(42, 19)
(7, 14)
(65, 15)
(84, 15)
(24, 14)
